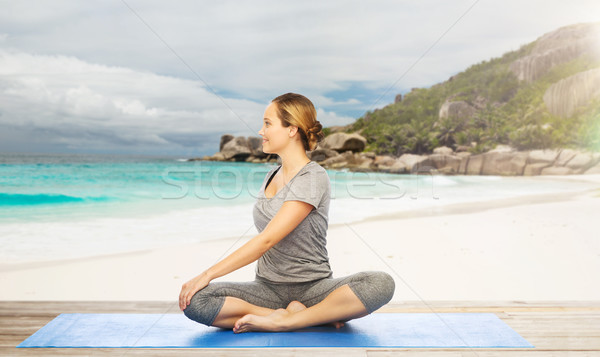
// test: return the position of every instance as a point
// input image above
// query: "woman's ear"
(292, 130)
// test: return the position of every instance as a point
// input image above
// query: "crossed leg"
(341, 305)
(233, 308)
(243, 316)
(254, 306)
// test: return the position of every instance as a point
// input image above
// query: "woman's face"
(275, 136)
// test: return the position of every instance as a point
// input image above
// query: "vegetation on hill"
(509, 112)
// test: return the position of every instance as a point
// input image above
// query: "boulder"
(342, 142)
(255, 144)
(464, 161)
(416, 163)
(565, 96)
(556, 47)
(535, 169)
(365, 165)
(504, 163)
(399, 167)
(346, 159)
(218, 157)
(322, 154)
(255, 160)
(564, 157)
(447, 164)
(459, 109)
(237, 149)
(368, 154)
(224, 140)
(502, 149)
(581, 161)
(443, 150)
(383, 163)
(594, 170)
(329, 162)
(384, 160)
(350, 158)
(474, 164)
(542, 156)
(556, 170)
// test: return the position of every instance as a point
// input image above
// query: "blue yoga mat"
(468, 330)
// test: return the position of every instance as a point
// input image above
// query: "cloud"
(64, 102)
(90, 106)
(94, 76)
(328, 119)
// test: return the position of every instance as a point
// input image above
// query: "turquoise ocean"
(67, 206)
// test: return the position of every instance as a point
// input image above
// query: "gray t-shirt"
(301, 256)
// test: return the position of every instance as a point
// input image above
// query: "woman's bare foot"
(295, 306)
(276, 321)
(336, 324)
(273, 322)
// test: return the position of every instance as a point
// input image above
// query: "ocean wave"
(21, 199)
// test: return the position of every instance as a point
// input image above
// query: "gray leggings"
(373, 288)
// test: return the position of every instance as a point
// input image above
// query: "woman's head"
(293, 110)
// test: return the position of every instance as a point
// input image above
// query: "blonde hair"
(297, 110)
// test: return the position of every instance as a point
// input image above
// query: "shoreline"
(427, 211)
(539, 248)
(445, 210)
(478, 206)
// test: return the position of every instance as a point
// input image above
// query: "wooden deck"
(555, 328)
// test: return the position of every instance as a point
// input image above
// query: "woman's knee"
(204, 306)
(376, 289)
(386, 284)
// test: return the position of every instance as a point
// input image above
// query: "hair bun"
(315, 128)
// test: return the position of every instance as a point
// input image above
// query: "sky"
(169, 78)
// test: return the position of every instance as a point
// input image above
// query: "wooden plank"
(565, 343)
(479, 353)
(31, 308)
(45, 308)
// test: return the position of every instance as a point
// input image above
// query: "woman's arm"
(287, 218)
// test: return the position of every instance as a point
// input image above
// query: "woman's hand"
(190, 288)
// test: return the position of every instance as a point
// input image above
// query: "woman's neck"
(291, 164)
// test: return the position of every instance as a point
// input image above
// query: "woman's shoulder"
(314, 167)
(313, 170)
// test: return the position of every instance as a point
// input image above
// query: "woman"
(293, 287)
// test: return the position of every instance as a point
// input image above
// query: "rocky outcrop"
(537, 160)
(342, 142)
(255, 145)
(323, 154)
(594, 170)
(566, 95)
(582, 161)
(240, 148)
(224, 140)
(556, 47)
(502, 161)
(459, 109)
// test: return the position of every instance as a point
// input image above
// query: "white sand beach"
(542, 247)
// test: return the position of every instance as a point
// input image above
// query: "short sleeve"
(309, 186)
